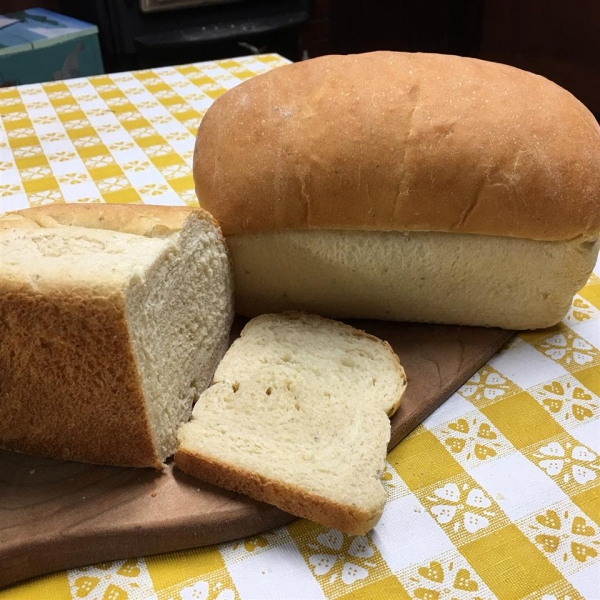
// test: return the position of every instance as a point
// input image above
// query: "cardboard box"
(39, 45)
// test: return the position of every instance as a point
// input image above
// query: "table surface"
(496, 495)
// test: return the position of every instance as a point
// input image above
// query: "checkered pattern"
(113, 138)
(495, 495)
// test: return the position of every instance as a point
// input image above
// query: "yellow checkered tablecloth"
(496, 495)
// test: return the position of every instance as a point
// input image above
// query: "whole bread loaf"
(112, 321)
(404, 186)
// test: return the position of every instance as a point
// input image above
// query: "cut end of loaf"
(297, 416)
(179, 319)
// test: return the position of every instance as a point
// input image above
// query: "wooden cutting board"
(56, 515)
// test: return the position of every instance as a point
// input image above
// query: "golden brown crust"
(397, 141)
(137, 219)
(291, 499)
(69, 387)
(16, 221)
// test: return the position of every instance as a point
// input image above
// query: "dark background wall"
(559, 39)
(556, 38)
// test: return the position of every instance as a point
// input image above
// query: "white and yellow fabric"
(496, 495)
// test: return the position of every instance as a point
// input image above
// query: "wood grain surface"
(56, 515)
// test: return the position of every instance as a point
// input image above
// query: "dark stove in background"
(137, 34)
(555, 38)
(148, 33)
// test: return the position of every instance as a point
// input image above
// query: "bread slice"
(297, 416)
(112, 320)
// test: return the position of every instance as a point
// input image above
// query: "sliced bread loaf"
(112, 321)
(297, 416)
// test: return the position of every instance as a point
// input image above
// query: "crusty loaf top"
(95, 248)
(149, 221)
(398, 141)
